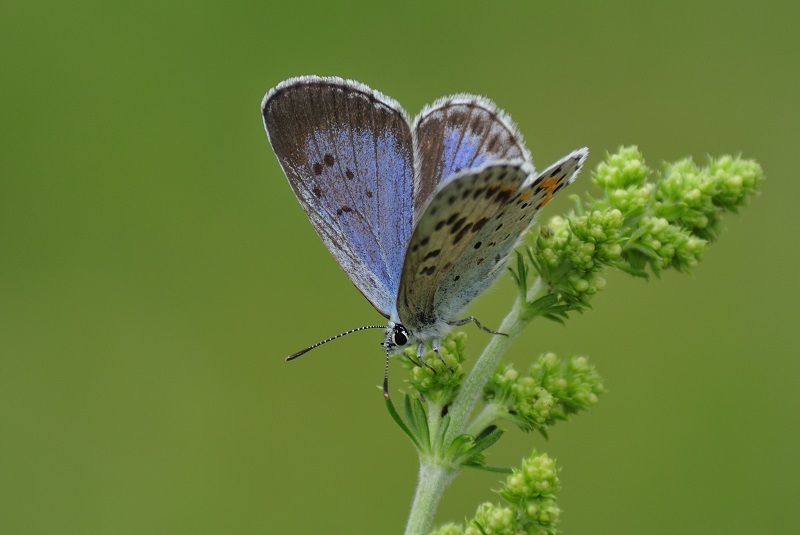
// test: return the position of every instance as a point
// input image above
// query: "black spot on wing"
(329, 160)
(317, 168)
(504, 195)
(478, 225)
(457, 225)
(432, 254)
(461, 233)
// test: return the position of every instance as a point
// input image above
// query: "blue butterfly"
(422, 215)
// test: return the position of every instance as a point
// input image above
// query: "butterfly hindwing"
(458, 211)
(347, 152)
(479, 266)
(457, 133)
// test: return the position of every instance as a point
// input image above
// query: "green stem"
(434, 411)
(433, 479)
(485, 418)
(471, 390)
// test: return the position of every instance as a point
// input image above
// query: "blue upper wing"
(347, 152)
(457, 133)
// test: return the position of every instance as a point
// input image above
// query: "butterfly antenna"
(351, 331)
(386, 378)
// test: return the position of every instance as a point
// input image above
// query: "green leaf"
(485, 439)
(399, 421)
(457, 447)
(496, 469)
(553, 317)
(542, 304)
(409, 413)
(423, 433)
(521, 275)
(632, 270)
(645, 251)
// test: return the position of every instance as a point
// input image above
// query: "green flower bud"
(621, 170)
(550, 391)
(531, 504)
(448, 529)
(733, 181)
(441, 385)
(495, 520)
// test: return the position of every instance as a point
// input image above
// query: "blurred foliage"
(156, 266)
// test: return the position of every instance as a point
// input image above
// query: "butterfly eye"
(400, 337)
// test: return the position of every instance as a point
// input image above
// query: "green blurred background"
(156, 268)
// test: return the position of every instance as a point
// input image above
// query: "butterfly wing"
(347, 152)
(458, 211)
(485, 257)
(460, 132)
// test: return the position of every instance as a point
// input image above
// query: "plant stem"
(471, 390)
(489, 414)
(433, 479)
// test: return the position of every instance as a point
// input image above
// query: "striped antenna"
(351, 331)
(386, 378)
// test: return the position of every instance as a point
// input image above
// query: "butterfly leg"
(435, 344)
(420, 354)
(478, 323)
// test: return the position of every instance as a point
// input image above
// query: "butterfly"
(421, 215)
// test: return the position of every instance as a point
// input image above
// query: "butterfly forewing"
(348, 154)
(458, 211)
(486, 256)
(457, 133)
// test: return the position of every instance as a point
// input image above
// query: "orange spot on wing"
(550, 185)
(525, 195)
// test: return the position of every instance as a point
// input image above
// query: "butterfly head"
(395, 338)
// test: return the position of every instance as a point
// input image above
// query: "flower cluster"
(531, 503)
(571, 253)
(551, 390)
(641, 224)
(433, 379)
